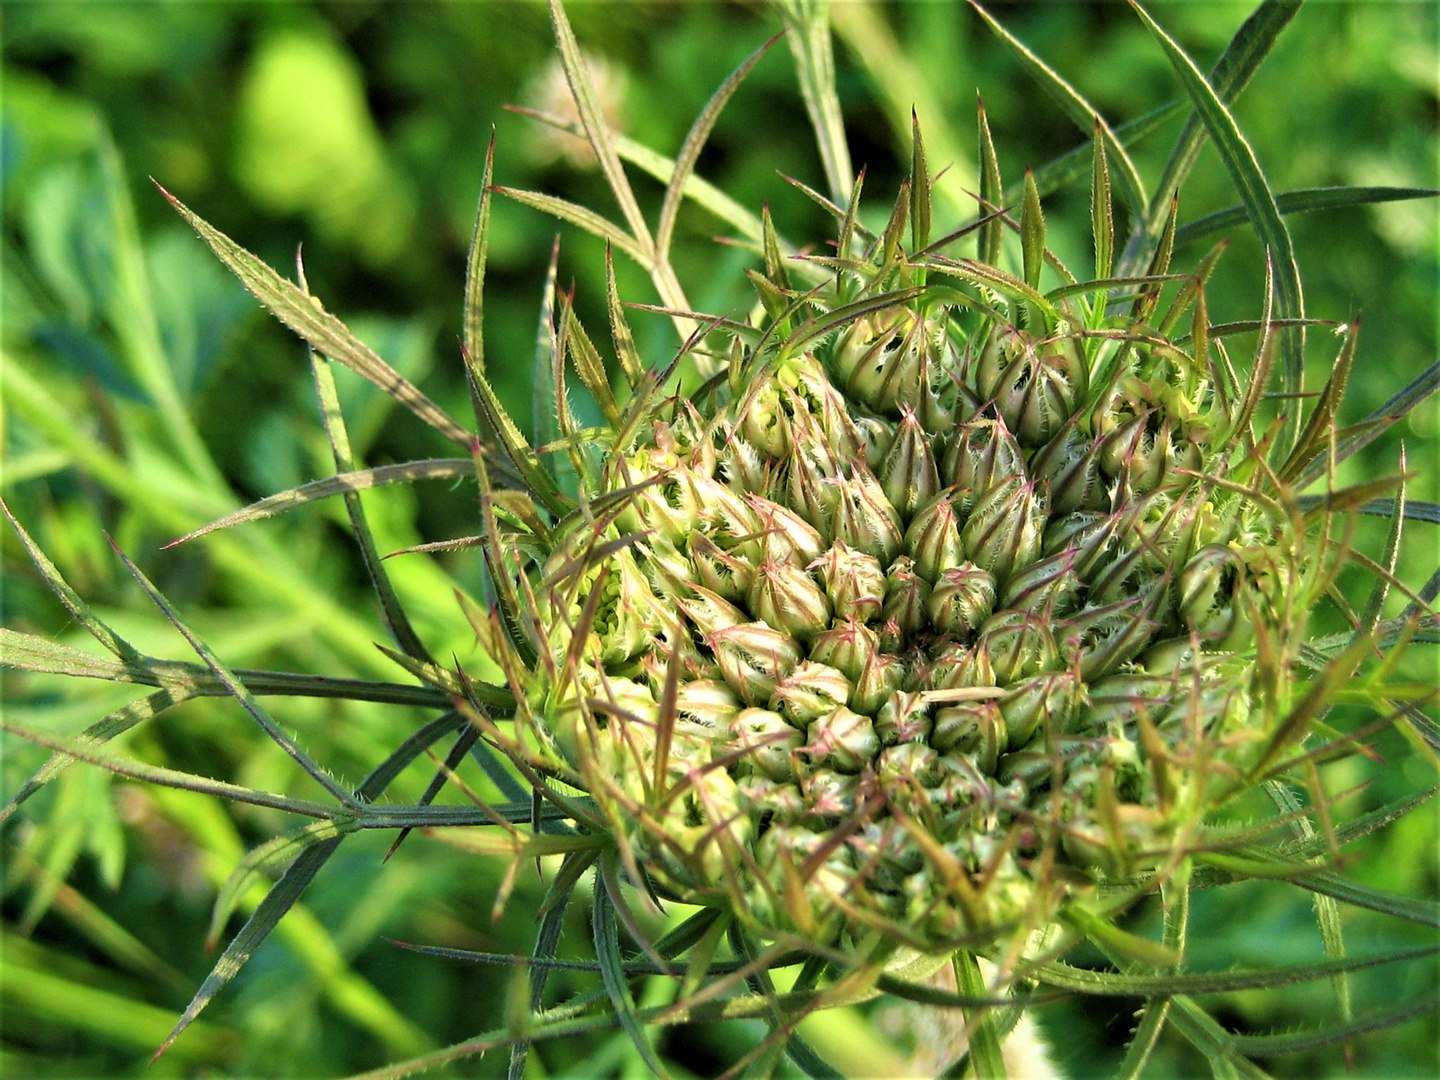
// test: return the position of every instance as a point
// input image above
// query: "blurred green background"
(146, 393)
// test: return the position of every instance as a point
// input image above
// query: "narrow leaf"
(341, 484)
(1260, 207)
(257, 928)
(919, 189)
(612, 973)
(991, 193)
(236, 688)
(587, 219)
(77, 607)
(474, 312)
(1080, 111)
(690, 151)
(1300, 201)
(597, 131)
(307, 317)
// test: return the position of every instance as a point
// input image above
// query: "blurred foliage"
(148, 394)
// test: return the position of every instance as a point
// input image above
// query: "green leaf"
(305, 315)
(630, 362)
(270, 855)
(155, 774)
(343, 483)
(474, 313)
(1032, 233)
(991, 233)
(1244, 54)
(1102, 209)
(1352, 439)
(237, 689)
(1260, 208)
(699, 132)
(256, 929)
(535, 478)
(807, 31)
(97, 734)
(1375, 605)
(1129, 984)
(919, 188)
(587, 219)
(612, 973)
(1080, 111)
(1297, 202)
(77, 607)
(597, 131)
(391, 611)
(1314, 440)
(1296, 1041)
(984, 1043)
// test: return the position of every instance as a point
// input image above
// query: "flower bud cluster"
(916, 619)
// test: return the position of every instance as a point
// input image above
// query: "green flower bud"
(1041, 703)
(905, 596)
(842, 740)
(907, 474)
(981, 455)
(1135, 453)
(788, 599)
(853, 581)
(707, 702)
(1003, 532)
(753, 658)
(848, 646)
(768, 741)
(1209, 590)
(863, 517)
(1068, 468)
(962, 599)
(766, 424)
(721, 573)
(762, 798)
(784, 535)
(1050, 586)
(1035, 384)
(732, 522)
(1019, 645)
(1106, 637)
(810, 691)
(933, 539)
(830, 795)
(880, 676)
(971, 727)
(904, 718)
(709, 612)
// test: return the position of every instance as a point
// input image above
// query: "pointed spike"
(1102, 207)
(919, 189)
(774, 258)
(990, 234)
(1032, 233)
(474, 313)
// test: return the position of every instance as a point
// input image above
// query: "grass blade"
(77, 607)
(587, 219)
(256, 929)
(1242, 57)
(612, 973)
(597, 132)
